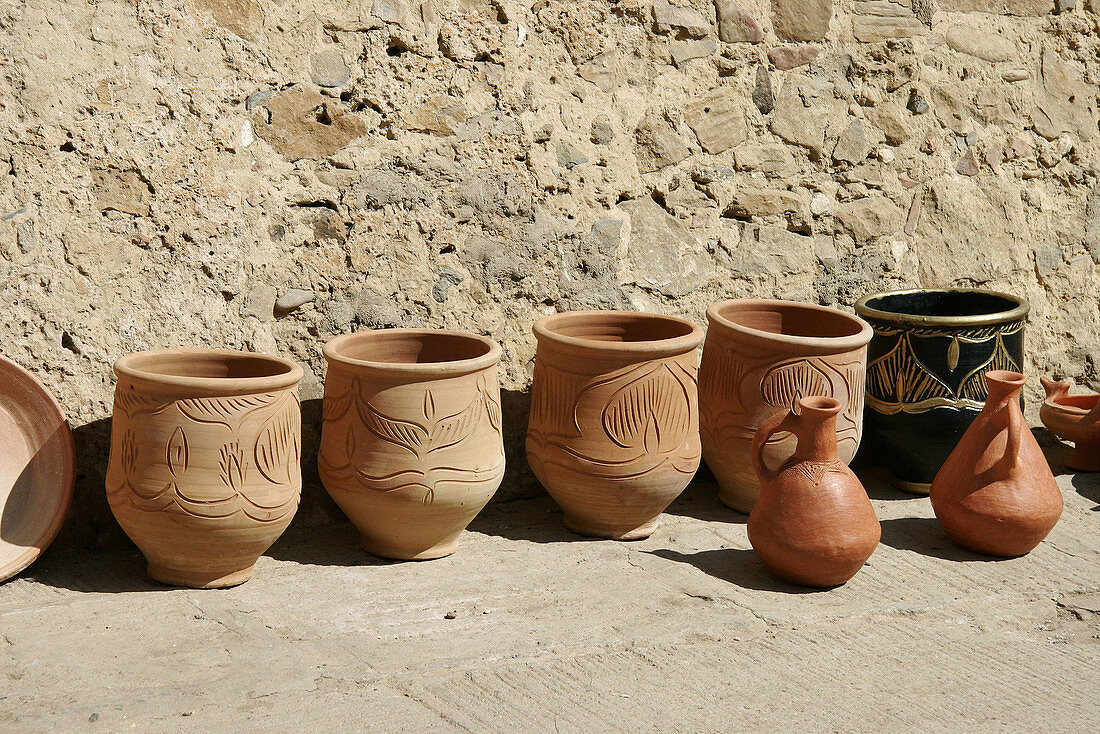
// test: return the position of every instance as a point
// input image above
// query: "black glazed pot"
(926, 368)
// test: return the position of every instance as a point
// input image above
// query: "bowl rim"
(830, 343)
(126, 367)
(332, 351)
(544, 331)
(1016, 313)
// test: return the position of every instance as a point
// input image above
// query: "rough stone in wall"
(264, 175)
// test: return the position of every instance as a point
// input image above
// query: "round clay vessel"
(205, 469)
(813, 523)
(925, 371)
(1075, 418)
(764, 355)
(37, 468)
(411, 447)
(614, 429)
(995, 494)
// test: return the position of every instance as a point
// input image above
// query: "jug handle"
(1015, 426)
(778, 421)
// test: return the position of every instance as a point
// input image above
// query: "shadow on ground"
(734, 566)
(925, 535)
(1088, 486)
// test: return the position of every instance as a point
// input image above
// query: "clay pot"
(614, 429)
(411, 447)
(205, 469)
(37, 468)
(925, 371)
(995, 494)
(763, 355)
(813, 524)
(1075, 418)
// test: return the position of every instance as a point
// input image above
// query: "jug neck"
(1004, 389)
(816, 430)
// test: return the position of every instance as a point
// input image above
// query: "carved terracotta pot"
(411, 447)
(764, 355)
(614, 429)
(205, 468)
(1075, 418)
(924, 372)
(813, 523)
(995, 494)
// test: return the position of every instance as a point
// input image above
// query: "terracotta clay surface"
(411, 447)
(614, 427)
(995, 493)
(1075, 418)
(37, 468)
(764, 355)
(813, 523)
(205, 469)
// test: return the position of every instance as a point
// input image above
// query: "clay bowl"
(37, 468)
(1073, 418)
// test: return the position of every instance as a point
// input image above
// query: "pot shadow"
(1087, 484)
(926, 536)
(333, 544)
(1054, 449)
(700, 501)
(738, 567)
(536, 520)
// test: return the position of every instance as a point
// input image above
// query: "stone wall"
(264, 174)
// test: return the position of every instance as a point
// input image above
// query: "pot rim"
(1019, 311)
(544, 329)
(129, 367)
(333, 355)
(831, 343)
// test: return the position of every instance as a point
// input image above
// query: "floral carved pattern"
(425, 438)
(160, 481)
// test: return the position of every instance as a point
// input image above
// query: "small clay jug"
(205, 469)
(614, 428)
(411, 445)
(1075, 418)
(813, 523)
(995, 494)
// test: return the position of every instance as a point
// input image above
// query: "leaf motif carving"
(176, 454)
(224, 411)
(651, 412)
(233, 465)
(128, 454)
(455, 428)
(334, 407)
(783, 386)
(953, 353)
(406, 434)
(277, 447)
(429, 406)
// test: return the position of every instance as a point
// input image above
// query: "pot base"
(737, 501)
(1084, 458)
(591, 529)
(383, 549)
(181, 577)
(918, 488)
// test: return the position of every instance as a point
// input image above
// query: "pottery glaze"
(764, 355)
(995, 494)
(411, 446)
(813, 523)
(1074, 418)
(614, 427)
(204, 473)
(925, 371)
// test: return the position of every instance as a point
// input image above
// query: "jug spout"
(1055, 389)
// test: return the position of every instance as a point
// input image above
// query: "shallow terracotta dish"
(1075, 418)
(37, 468)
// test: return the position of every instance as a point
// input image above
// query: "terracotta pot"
(411, 447)
(205, 469)
(1075, 418)
(995, 494)
(763, 355)
(37, 468)
(614, 429)
(813, 524)
(924, 372)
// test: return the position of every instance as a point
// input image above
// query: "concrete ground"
(530, 628)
